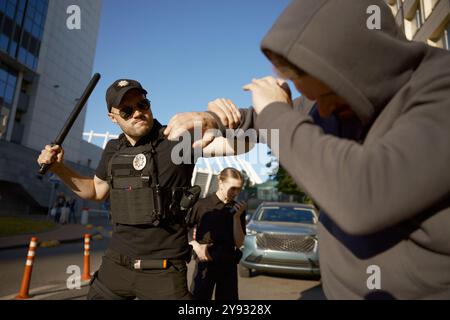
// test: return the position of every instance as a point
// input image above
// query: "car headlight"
(316, 243)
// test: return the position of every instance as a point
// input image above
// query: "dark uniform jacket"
(214, 225)
(146, 241)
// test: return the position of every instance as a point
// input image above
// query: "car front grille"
(282, 262)
(286, 242)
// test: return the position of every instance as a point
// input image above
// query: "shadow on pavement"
(55, 292)
(50, 291)
(314, 293)
(306, 277)
(82, 296)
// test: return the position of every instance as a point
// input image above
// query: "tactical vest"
(135, 194)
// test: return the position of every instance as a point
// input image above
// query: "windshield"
(286, 214)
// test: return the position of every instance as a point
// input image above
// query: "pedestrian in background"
(60, 202)
(72, 204)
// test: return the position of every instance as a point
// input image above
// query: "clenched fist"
(227, 112)
(51, 155)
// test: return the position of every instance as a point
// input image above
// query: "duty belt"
(143, 264)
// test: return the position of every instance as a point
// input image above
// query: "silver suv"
(281, 238)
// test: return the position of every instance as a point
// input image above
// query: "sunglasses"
(127, 111)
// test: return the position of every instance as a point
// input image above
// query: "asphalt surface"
(50, 275)
(50, 266)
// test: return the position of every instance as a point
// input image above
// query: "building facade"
(424, 20)
(45, 65)
(21, 32)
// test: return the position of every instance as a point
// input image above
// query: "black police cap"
(118, 89)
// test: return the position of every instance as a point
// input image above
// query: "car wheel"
(244, 272)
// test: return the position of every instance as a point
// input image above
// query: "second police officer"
(219, 233)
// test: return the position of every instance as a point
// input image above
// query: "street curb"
(51, 243)
(40, 294)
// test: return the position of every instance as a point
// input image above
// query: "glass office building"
(21, 30)
(44, 68)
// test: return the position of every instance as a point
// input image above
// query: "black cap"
(117, 90)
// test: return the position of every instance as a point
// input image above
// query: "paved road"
(49, 276)
(49, 267)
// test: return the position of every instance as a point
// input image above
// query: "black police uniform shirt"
(214, 224)
(146, 241)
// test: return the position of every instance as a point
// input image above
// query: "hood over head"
(331, 41)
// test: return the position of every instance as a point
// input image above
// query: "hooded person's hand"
(267, 91)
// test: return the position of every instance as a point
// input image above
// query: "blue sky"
(184, 52)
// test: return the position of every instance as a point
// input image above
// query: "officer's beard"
(138, 128)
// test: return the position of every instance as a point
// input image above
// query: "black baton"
(73, 116)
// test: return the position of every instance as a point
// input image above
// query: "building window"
(420, 19)
(413, 26)
(21, 29)
(3, 42)
(446, 38)
(8, 81)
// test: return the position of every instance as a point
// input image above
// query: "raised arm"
(86, 188)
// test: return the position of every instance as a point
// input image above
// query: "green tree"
(248, 187)
(288, 186)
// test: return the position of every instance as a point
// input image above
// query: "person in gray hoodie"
(384, 189)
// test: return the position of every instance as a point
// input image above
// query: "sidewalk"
(55, 292)
(62, 234)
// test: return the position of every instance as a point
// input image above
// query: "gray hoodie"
(386, 196)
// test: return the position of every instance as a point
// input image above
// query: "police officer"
(147, 255)
(219, 233)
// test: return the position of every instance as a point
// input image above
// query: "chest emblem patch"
(139, 162)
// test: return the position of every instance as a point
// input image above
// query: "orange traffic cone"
(25, 286)
(86, 269)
